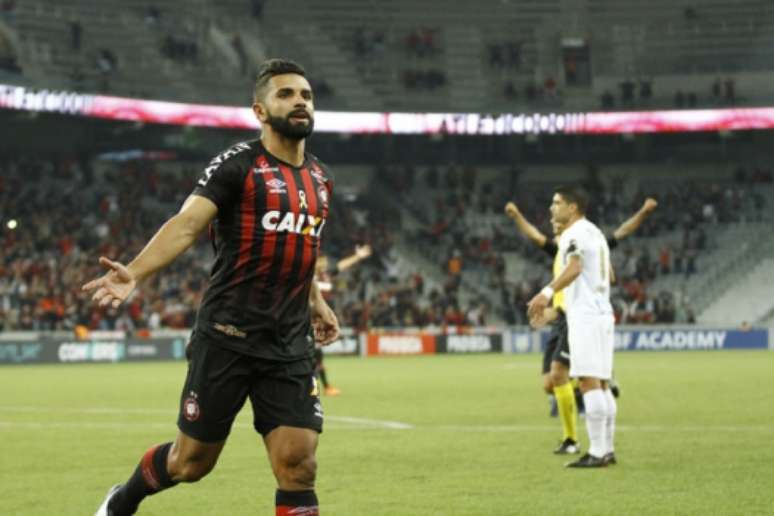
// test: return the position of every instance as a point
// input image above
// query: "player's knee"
(298, 470)
(558, 377)
(548, 385)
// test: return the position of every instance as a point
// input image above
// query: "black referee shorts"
(219, 381)
(558, 345)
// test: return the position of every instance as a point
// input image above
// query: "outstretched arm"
(524, 226)
(174, 237)
(361, 253)
(635, 221)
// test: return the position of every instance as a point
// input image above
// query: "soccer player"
(324, 277)
(254, 336)
(586, 274)
(556, 357)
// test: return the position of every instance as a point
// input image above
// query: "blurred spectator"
(179, 48)
(423, 79)
(8, 11)
(607, 100)
(239, 49)
(509, 90)
(716, 90)
(152, 16)
(730, 90)
(646, 90)
(421, 42)
(322, 89)
(679, 99)
(76, 33)
(627, 92)
(256, 9)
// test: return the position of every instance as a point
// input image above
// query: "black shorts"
(318, 357)
(219, 381)
(557, 346)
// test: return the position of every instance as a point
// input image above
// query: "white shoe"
(103, 509)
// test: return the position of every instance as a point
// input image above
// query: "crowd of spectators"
(423, 79)
(368, 42)
(504, 55)
(639, 94)
(422, 42)
(179, 48)
(59, 215)
(65, 215)
(465, 230)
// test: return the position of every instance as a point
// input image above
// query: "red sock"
(296, 503)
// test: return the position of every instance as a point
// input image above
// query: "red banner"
(401, 344)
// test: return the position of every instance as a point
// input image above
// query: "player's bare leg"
(292, 456)
(568, 413)
(190, 460)
(161, 467)
(548, 387)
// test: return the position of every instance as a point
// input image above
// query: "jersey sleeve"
(221, 181)
(572, 244)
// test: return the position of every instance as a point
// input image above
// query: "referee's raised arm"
(524, 226)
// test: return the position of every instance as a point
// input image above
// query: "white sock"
(612, 411)
(596, 414)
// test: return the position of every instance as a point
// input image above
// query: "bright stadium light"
(12, 224)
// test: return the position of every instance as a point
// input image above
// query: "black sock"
(150, 477)
(296, 502)
(324, 377)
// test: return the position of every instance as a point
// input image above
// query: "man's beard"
(290, 130)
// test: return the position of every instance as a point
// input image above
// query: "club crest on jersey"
(276, 186)
(322, 192)
(191, 410)
(265, 170)
(301, 224)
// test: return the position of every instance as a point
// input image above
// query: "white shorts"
(592, 341)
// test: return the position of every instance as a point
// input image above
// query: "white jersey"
(589, 294)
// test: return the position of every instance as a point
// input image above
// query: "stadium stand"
(442, 256)
(402, 56)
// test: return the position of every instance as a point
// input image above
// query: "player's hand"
(363, 251)
(325, 324)
(650, 204)
(511, 210)
(114, 287)
(536, 306)
(548, 316)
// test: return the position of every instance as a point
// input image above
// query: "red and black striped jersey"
(266, 238)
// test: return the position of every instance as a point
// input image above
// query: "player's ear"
(260, 111)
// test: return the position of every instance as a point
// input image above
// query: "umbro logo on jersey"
(265, 170)
(276, 186)
(318, 175)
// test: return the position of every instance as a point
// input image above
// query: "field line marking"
(379, 423)
(355, 421)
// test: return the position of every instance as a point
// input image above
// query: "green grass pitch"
(439, 435)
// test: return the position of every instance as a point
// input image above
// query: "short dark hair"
(575, 195)
(273, 67)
